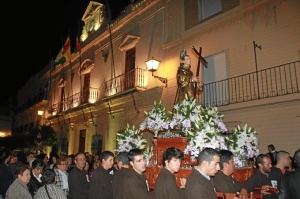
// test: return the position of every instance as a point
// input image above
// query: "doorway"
(82, 140)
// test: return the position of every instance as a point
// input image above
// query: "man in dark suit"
(165, 185)
(272, 154)
(289, 186)
(198, 184)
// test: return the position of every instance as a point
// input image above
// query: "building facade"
(252, 74)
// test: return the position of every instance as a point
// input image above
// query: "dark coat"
(272, 156)
(101, 184)
(166, 186)
(199, 187)
(6, 177)
(14, 166)
(34, 184)
(224, 183)
(135, 186)
(78, 184)
(117, 184)
(289, 186)
(259, 179)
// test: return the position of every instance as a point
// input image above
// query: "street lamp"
(152, 66)
(40, 113)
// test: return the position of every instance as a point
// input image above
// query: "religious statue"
(38, 141)
(185, 79)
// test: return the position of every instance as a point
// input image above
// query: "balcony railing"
(90, 95)
(134, 79)
(31, 101)
(276, 81)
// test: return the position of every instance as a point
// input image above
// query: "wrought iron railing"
(35, 99)
(127, 81)
(90, 95)
(271, 82)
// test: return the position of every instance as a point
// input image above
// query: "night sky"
(34, 32)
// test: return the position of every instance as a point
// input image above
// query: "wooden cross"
(201, 62)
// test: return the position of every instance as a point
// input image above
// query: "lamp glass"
(40, 112)
(152, 64)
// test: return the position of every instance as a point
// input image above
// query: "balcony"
(39, 98)
(133, 80)
(276, 81)
(271, 82)
(87, 96)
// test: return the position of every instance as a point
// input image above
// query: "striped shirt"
(62, 180)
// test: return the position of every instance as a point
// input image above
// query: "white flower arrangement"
(156, 119)
(185, 114)
(129, 139)
(148, 153)
(203, 126)
(243, 143)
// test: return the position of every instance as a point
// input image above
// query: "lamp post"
(256, 69)
(152, 66)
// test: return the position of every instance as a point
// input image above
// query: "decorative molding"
(129, 42)
(61, 83)
(86, 67)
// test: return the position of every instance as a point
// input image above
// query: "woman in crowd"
(70, 162)
(52, 160)
(18, 189)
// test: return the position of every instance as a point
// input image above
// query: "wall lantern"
(152, 65)
(40, 112)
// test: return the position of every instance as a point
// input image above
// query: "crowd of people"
(121, 176)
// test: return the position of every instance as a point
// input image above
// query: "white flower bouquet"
(185, 114)
(156, 119)
(129, 139)
(243, 143)
(209, 131)
(203, 126)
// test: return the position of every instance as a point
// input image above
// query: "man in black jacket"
(101, 182)
(272, 154)
(266, 178)
(36, 173)
(289, 186)
(78, 179)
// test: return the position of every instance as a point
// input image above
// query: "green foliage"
(49, 136)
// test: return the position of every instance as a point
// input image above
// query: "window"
(129, 69)
(208, 8)
(216, 90)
